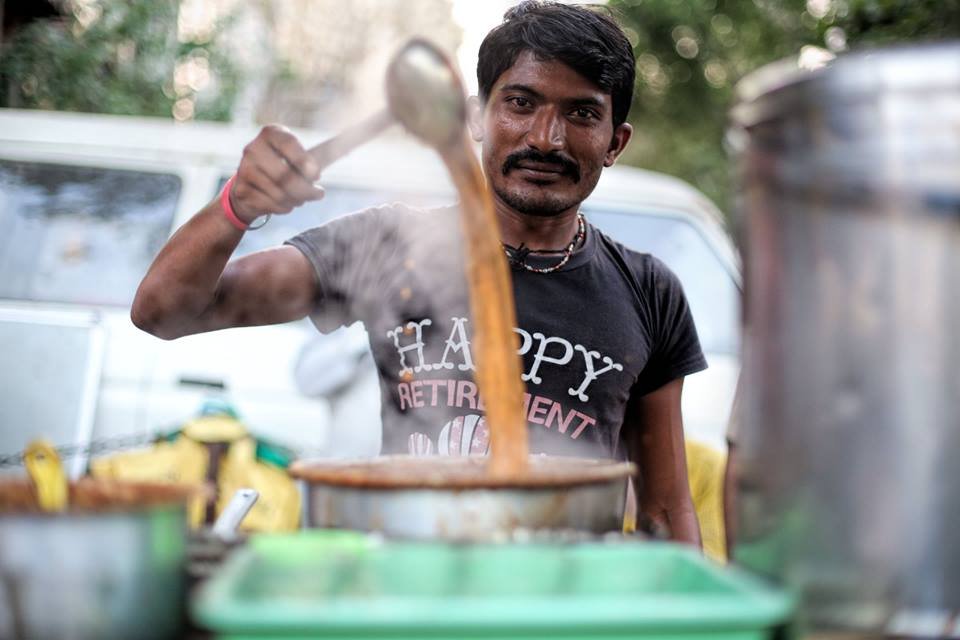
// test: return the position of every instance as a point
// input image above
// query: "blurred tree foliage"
(120, 57)
(690, 53)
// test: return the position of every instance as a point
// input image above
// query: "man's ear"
(621, 136)
(475, 118)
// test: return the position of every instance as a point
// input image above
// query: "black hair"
(587, 41)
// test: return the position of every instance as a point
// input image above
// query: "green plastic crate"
(318, 585)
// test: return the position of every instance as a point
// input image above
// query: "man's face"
(547, 133)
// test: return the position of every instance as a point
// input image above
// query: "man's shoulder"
(645, 267)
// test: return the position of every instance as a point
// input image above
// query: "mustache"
(566, 165)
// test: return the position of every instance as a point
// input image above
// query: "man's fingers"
(275, 175)
(287, 185)
(301, 190)
(270, 162)
(290, 149)
(301, 170)
(290, 166)
(271, 179)
(258, 176)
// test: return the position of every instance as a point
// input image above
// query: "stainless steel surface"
(93, 575)
(850, 196)
(466, 514)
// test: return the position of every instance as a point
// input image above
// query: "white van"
(86, 201)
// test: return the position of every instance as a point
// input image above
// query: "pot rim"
(458, 473)
(98, 495)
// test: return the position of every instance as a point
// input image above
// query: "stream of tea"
(426, 95)
(492, 307)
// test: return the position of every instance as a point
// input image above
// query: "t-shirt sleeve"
(676, 348)
(350, 256)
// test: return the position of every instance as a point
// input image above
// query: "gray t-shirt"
(610, 325)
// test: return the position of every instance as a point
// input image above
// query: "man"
(605, 333)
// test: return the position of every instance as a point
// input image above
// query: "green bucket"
(323, 584)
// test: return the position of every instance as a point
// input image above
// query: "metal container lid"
(871, 128)
(784, 86)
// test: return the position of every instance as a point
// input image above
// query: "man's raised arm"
(191, 287)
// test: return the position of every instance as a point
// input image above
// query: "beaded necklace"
(519, 255)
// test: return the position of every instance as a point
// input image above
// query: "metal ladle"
(424, 94)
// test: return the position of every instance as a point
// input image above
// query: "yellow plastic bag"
(187, 459)
(46, 473)
(705, 469)
(182, 461)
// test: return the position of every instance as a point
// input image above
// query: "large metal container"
(110, 567)
(438, 498)
(850, 195)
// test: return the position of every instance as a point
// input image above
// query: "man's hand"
(276, 175)
(191, 288)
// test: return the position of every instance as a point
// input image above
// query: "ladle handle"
(329, 151)
(233, 514)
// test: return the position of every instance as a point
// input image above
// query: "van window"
(81, 235)
(710, 288)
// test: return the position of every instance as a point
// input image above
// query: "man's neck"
(537, 233)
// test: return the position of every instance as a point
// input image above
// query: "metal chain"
(95, 447)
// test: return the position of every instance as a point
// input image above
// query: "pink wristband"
(228, 209)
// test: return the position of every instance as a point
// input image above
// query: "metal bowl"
(429, 498)
(112, 566)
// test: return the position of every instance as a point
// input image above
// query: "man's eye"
(584, 113)
(519, 101)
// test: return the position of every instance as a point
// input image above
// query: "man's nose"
(547, 131)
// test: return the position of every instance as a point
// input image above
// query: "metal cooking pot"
(110, 567)
(850, 194)
(431, 498)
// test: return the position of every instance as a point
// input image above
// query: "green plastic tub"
(320, 584)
